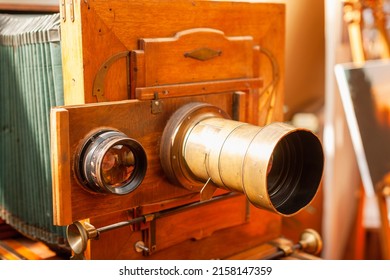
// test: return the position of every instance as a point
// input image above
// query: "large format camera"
(194, 161)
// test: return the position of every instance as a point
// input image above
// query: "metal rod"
(179, 209)
(163, 213)
(280, 253)
(121, 224)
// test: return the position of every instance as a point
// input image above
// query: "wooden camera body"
(130, 67)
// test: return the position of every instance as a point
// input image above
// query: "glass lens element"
(118, 165)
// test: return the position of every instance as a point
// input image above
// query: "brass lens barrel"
(110, 162)
(278, 167)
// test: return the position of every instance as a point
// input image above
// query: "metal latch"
(156, 104)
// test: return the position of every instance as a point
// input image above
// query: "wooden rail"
(29, 8)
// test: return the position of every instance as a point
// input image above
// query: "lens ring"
(288, 184)
(174, 135)
(282, 188)
(90, 165)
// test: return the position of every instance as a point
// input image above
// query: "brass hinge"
(63, 10)
(71, 10)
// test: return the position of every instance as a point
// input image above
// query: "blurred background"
(320, 35)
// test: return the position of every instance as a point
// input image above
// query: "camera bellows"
(30, 83)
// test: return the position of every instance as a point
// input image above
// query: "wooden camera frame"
(128, 66)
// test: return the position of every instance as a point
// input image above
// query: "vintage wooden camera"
(170, 144)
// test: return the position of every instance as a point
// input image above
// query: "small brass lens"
(111, 162)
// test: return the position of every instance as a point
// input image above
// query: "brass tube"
(240, 157)
(278, 167)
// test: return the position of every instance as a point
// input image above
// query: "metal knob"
(140, 247)
(311, 242)
(78, 235)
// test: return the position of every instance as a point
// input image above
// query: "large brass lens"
(278, 167)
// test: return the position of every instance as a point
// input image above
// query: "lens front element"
(111, 162)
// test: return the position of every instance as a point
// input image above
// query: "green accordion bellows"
(30, 84)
